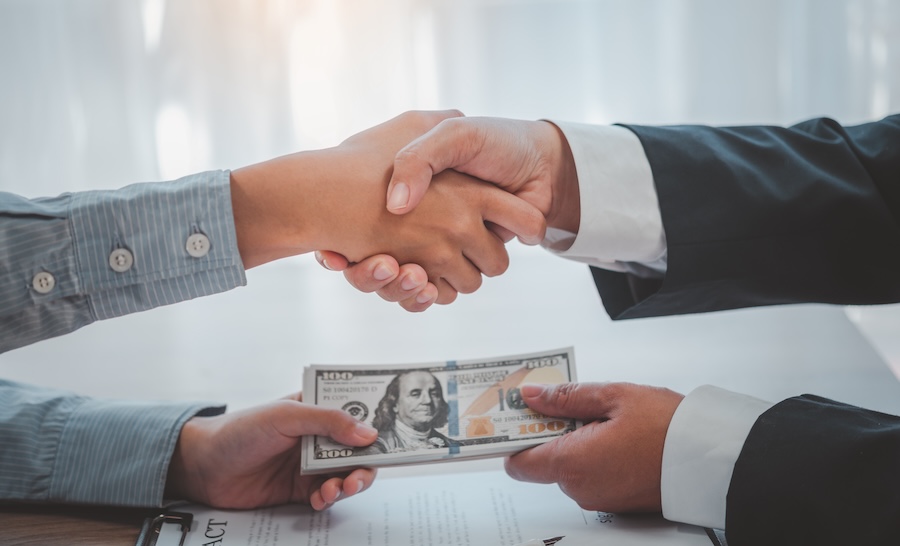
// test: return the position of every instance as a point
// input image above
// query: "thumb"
(448, 145)
(573, 400)
(297, 419)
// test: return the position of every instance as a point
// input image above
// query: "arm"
(74, 240)
(77, 258)
(769, 215)
(817, 471)
(749, 215)
(806, 470)
(59, 447)
(62, 448)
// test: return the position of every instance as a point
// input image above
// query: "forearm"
(770, 215)
(298, 203)
(110, 253)
(62, 448)
(807, 459)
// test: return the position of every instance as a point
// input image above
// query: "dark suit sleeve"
(769, 215)
(814, 471)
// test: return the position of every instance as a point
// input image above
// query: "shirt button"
(43, 282)
(197, 245)
(121, 260)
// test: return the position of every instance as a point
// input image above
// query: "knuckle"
(470, 283)
(537, 224)
(408, 158)
(562, 395)
(388, 294)
(499, 266)
(446, 296)
(350, 274)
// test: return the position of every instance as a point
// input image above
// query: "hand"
(329, 199)
(530, 159)
(251, 458)
(613, 463)
(407, 284)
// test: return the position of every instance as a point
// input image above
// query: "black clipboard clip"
(153, 525)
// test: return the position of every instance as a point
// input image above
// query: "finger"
(332, 490)
(373, 273)
(515, 215)
(574, 400)
(447, 145)
(552, 462)
(316, 501)
(487, 254)
(461, 276)
(358, 481)
(500, 231)
(331, 260)
(421, 301)
(446, 292)
(410, 281)
(296, 419)
(535, 465)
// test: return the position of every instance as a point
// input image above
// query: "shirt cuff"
(703, 442)
(118, 452)
(621, 224)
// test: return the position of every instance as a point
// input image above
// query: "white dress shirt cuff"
(704, 440)
(620, 218)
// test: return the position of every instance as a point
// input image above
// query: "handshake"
(455, 189)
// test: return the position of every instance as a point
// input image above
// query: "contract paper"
(457, 509)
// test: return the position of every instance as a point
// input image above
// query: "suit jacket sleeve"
(815, 471)
(769, 215)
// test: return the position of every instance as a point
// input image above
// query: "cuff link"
(197, 245)
(43, 282)
(121, 260)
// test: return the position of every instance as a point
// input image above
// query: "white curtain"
(100, 93)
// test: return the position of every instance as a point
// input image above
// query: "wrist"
(272, 208)
(182, 473)
(565, 205)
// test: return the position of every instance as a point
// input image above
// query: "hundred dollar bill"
(435, 411)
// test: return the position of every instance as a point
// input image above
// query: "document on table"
(458, 509)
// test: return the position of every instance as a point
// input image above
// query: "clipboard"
(153, 527)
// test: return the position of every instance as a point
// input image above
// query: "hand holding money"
(435, 411)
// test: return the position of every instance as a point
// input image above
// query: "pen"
(539, 542)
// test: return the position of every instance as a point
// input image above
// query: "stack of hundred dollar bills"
(436, 411)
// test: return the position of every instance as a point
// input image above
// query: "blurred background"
(103, 93)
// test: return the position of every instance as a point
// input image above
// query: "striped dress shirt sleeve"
(70, 260)
(58, 447)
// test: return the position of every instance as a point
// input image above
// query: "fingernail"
(359, 485)
(399, 197)
(319, 257)
(382, 272)
(532, 390)
(364, 431)
(338, 496)
(323, 261)
(422, 297)
(408, 283)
